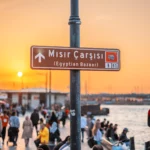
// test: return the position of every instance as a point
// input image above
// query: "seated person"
(43, 136)
(123, 137)
(61, 143)
(116, 138)
(110, 132)
(54, 132)
(66, 146)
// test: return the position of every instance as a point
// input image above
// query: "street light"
(48, 76)
(20, 74)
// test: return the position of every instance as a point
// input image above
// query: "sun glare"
(20, 74)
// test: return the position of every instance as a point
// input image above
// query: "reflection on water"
(132, 117)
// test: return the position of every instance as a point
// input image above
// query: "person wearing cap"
(123, 138)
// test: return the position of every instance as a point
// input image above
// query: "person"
(14, 125)
(66, 146)
(110, 132)
(54, 128)
(83, 125)
(116, 138)
(53, 118)
(35, 118)
(106, 125)
(97, 133)
(89, 121)
(5, 120)
(18, 108)
(97, 147)
(23, 108)
(57, 147)
(63, 118)
(1, 126)
(27, 130)
(43, 136)
(90, 125)
(123, 137)
(7, 105)
(67, 112)
(103, 124)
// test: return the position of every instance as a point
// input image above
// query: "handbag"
(91, 142)
(37, 142)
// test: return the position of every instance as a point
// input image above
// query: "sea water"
(132, 117)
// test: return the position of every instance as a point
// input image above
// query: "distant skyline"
(122, 24)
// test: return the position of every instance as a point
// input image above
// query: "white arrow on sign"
(39, 56)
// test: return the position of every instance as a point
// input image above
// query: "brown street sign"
(66, 58)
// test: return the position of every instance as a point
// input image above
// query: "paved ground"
(21, 146)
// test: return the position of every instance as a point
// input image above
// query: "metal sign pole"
(50, 78)
(75, 109)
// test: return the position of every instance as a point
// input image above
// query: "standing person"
(35, 118)
(7, 105)
(90, 124)
(67, 112)
(14, 125)
(27, 130)
(18, 108)
(96, 132)
(5, 120)
(23, 110)
(83, 125)
(64, 117)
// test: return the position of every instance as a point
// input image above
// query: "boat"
(94, 109)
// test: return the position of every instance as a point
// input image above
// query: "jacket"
(35, 118)
(44, 136)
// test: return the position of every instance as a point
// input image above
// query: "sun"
(19, 74)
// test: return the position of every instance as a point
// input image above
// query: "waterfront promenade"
(21, 146)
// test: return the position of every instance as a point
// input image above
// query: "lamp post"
(50, 88)
(48, 77)
(20, 75)
(75, 108)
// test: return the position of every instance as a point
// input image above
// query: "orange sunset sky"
(122, 24)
